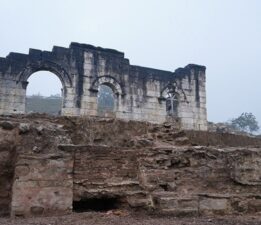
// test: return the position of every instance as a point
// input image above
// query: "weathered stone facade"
(140, 93)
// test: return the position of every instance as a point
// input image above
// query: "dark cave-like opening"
(96, 204)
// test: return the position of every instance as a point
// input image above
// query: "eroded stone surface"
(139, 164)
(42, 185)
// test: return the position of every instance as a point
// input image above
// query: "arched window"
(44, 93)
(172, 100)
(172, 104)
(106, 101)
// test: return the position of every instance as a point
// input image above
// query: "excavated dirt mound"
(115, 132)
(221, 139)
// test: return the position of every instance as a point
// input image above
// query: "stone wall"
(48, 164)
(140, 93)
(43, 185)
(34, 176)
(7, 158)
(7, 161)
(102, 172)
(202, 181)
(178, 181)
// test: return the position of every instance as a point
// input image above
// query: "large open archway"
(109, 93)
(44, 93)
(106, 101)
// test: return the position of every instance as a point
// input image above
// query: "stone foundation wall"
(7, 161)
(47, 164)
(100, 172)
(179, 181)
(43, 185)
(202, 181)
(7, 157)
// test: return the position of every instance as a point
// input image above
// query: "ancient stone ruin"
(140, 93)
(154, 154)
(56, 165)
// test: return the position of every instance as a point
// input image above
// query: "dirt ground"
(91, 218)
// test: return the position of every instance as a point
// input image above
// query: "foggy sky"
(223, 35)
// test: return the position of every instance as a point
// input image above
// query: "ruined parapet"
(140, 93)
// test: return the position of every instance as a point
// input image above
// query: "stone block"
(42, 185)
(254, 206)
(247, 171)
(68, 104)
(216, 206)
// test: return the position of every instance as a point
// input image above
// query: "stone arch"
(107, 101)
(109, 81)
(116, 88)
(59, 71)
(174, 89)
(173, 96)
(56, 69)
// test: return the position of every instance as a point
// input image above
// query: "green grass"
(41, 104)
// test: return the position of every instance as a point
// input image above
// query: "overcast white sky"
(223, 35)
